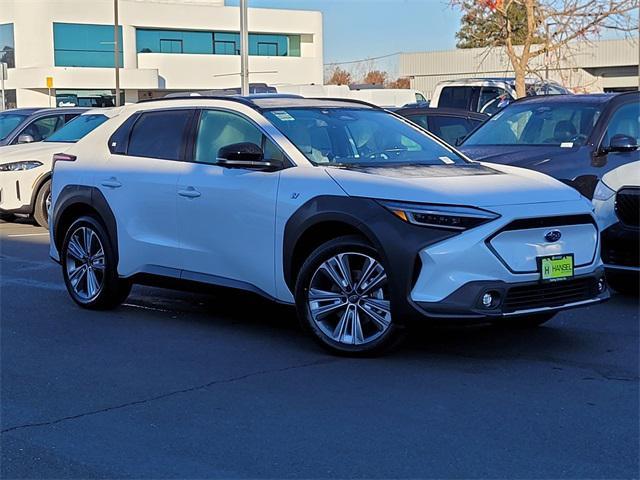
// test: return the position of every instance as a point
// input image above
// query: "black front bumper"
(620, 247)
(516, 299)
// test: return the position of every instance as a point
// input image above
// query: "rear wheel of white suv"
(89, 266)
(342, 298)
(42, 205)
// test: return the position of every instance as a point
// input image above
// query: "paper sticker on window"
(447, 160)
(566, 145)
(283, 116)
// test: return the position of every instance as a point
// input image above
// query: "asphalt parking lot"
(180, 385)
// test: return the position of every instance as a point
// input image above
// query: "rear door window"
(449, 129)
(160, 134)
(456, 97)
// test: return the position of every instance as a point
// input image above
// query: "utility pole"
(116, 50)
(244, 49)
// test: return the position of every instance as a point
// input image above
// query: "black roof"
(593, 98)
(451, 112)
(272, 100)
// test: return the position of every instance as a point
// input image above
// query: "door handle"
(111, 183)
(189, 192)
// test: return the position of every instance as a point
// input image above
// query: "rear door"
(139, 182)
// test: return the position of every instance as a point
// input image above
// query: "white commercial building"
(166, 45)
(605, 65)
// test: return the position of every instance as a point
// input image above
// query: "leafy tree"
(375, 77)
(401, 82)
(339, 77)
(528, 29)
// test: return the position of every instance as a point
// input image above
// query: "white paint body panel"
(624, 176)
(520, 249)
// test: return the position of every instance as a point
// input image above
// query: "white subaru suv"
(361, 219)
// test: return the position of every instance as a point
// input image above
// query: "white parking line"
(27, 234)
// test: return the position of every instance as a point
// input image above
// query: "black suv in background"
(449, 124)
(574, 138)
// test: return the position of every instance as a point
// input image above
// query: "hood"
(41, 151)
(517, 155)
(624, 176)
(480, 185)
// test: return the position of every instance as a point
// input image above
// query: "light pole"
(244, 49)
(116, 48)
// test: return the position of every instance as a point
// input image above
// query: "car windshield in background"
(8, 122)
(560, 124)
(358, 136)
(77, 128)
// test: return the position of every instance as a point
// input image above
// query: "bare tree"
(550, 26)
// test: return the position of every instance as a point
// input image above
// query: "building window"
(84, 45)
(173, 41)
(171, 46)
(218, 43)
(7, 45)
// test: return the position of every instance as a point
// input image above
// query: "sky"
(358, 29)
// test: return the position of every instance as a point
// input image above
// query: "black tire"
(528, 321)
(40, 210)
(624, 282)
(389, 333)
(112, 290)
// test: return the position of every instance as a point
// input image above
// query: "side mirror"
(246, 155)
(25, 138)
(622, 143)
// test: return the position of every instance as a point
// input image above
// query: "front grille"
(628, 206)
(620, 246)
(552, 294)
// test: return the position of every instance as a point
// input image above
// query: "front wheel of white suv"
(89, 266)
(342, 298)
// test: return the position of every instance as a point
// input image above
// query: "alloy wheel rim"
(47, 205)
(85, 263)
(348, 299)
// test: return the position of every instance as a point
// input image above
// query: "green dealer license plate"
(557, 267)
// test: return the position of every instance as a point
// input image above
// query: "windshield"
(560, 124)
(77, 128)
(8, 122)
(358, 136)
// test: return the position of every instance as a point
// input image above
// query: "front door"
(226, 216)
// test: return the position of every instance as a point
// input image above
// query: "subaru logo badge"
(552, 235)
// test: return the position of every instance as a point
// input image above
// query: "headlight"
(14, 166)
(603, 192)
(439, 216)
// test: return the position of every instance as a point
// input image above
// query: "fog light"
(601, 285)
(487, 299)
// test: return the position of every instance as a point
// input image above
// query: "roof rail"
(231, 98)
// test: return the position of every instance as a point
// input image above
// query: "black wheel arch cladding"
(77, 197)
(397, 242)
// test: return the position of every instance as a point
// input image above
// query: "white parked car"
(487, 95)
(25, 169)
(617, 206)
(358, 217)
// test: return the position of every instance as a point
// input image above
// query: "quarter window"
(160, 134)
(218, 129)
